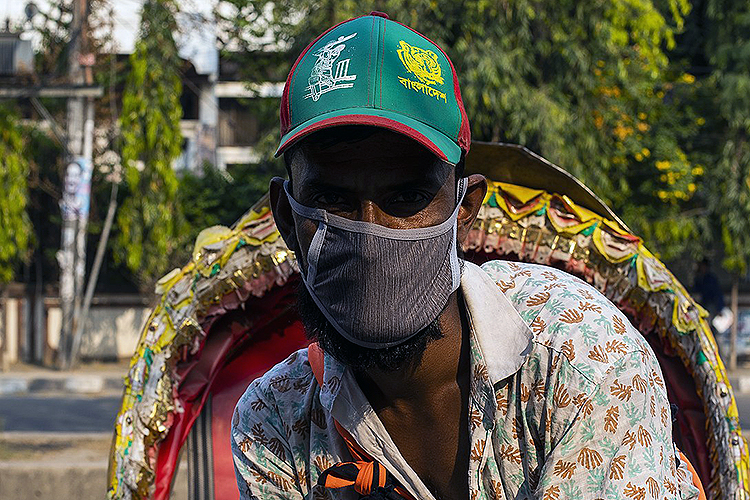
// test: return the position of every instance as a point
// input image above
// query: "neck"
(444, 365)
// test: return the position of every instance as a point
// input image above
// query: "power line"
(56, 130)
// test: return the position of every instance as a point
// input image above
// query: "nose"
(370, 212)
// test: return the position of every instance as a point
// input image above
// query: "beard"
(394, 358)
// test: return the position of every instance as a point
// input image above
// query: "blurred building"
(221, 125)
(16, 55)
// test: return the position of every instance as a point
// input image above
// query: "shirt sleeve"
(620, 443)
(263, 460)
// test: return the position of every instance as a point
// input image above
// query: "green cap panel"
(417, 80)
(371, 64)
(334, 72)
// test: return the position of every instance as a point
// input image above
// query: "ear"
(475, 192)
(282, 213)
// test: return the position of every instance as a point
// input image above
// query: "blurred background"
(128, 126)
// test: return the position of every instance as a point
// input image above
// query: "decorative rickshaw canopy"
(236, 297)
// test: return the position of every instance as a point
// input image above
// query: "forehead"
(363, 155)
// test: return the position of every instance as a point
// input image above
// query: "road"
(743, 405)
(58, 447)
(92, 414)
(56, 414)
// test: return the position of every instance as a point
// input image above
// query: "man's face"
(375, 176)
(73, 176)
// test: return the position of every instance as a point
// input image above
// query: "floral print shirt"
(567, 401)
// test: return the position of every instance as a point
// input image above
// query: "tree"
(728, 47)
(148, 220)
(212, 196)
(587, 85)
(15, 228)
(719, 41)
(14, 222)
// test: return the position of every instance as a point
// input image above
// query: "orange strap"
(696, 480)
(365, 477)
(365, 467)
(316, 357)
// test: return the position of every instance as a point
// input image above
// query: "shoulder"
(276, 397)
(270, 431)
(568, 317)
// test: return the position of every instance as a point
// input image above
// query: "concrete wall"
(112, 332)
(112, 329)
(10, 330)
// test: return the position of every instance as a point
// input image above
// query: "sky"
(194, 44)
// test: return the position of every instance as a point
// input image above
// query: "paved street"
(58, 447)
(743, 404)
(56, 414)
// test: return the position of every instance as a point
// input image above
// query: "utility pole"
(77, 185)
(735, 324)
(109, 219)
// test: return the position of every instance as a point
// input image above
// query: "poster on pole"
(77, 189)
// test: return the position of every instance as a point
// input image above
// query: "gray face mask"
(379, 286)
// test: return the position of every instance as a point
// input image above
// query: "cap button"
(379, 14)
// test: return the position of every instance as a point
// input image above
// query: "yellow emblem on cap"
(422, 63)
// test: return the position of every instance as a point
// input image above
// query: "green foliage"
(214, 197)
(733, 207)
(587, 85)
(728, 50)
(15, 228)
(46, 158)
(53, 25)
(148, 220)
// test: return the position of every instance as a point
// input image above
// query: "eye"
(329, 199)
(410, 197)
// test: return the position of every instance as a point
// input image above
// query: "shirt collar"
(502, 336)
(333, 374)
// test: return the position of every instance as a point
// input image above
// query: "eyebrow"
(317, 184)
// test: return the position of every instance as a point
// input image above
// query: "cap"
(374, 71)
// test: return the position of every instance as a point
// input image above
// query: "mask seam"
(455, 267)
(313, 253)
(420, 233)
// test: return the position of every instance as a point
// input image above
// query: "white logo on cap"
(322, 78)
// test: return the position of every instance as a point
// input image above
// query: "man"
(431, 382)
